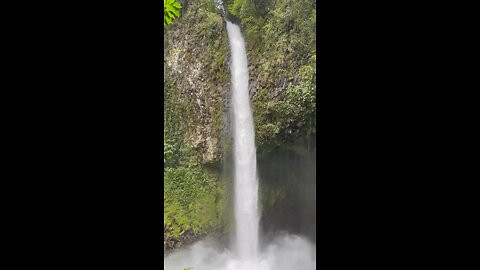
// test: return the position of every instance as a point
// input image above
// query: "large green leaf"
(171, 10)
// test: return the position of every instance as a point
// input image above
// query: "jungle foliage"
(193, 196)
(280, 37)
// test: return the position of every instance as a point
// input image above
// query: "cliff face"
(280, 37)
(196, 77)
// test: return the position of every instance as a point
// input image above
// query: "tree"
(171, 9)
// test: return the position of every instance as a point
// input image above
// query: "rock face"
(280, 40)
(172, 243)
(196, 66)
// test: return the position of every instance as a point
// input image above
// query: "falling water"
(246, 184)
(286, 251)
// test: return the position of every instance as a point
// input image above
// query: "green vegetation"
(193, 196)
(171, 9)
(283, 120)
(193, 201)
(280, 37)
(197, 78)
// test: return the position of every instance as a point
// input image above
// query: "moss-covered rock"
(194, 203)
(196, 69)
(280, 37)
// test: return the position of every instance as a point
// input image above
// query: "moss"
(194, 200)
(280, 39)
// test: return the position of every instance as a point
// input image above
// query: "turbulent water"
(285, 252)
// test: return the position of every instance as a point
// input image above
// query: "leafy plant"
(171, 9)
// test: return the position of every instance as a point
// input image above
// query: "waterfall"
(284, 252)
(245, 161)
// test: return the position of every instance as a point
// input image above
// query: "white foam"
(287, 252)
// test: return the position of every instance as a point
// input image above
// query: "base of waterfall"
(283, 253)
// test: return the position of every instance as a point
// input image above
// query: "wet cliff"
(280, 37)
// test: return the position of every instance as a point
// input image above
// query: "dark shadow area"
(288, 190)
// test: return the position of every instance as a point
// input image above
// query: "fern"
(171, 10)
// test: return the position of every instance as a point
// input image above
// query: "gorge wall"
(280, 37)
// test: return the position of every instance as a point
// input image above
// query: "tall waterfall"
(245, 161)
(285, 252)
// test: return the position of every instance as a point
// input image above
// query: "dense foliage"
(281, 38)
(193, 200)
(193, 196)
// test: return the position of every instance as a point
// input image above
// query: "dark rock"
(296, 79)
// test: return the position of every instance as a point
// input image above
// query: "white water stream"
(286, 252)
(246, 183)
